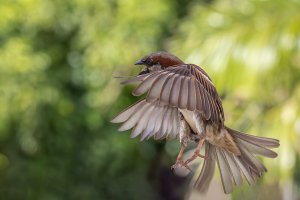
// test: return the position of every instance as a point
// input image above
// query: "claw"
(187, 166)
(196, 153)
(180, 163)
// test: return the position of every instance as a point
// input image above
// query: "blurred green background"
(58, 94)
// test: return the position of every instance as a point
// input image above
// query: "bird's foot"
(196, 153)
(180, 163)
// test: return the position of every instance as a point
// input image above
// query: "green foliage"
(57, 94)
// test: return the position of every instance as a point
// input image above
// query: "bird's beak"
(139, 62)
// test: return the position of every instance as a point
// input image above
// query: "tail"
(233, 167)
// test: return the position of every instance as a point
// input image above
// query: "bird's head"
(157, 61)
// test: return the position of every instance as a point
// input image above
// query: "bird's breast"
(188, 116)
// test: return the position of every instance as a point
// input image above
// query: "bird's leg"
(201, 130)
(179, 157)
(196, 153)
(184, 132)
(179, 161)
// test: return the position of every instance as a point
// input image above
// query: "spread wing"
(184, 86)
(149, 119)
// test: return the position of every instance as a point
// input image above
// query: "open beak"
(144, 71)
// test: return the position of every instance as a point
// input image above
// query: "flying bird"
(182, 102)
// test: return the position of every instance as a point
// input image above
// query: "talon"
(180, 163)
(187, 166)
(196, 153)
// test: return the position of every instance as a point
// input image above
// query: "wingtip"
(121, 129)
(113, 121)
(134, 93)
(134, 79)
(116, 120)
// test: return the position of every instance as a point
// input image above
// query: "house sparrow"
(182, 102)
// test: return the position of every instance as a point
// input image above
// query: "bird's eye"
(150, 62)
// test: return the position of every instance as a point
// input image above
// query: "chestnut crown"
(164, 59)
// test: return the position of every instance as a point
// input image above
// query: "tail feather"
(253, 163)
(245, 170)
(256, 149)
(232, 167)
(208, 169)
(225, 171)
(262, 141)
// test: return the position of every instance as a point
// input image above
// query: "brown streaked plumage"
(182, 102)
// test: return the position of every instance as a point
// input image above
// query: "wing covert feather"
(184, 86)
(188, 87)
